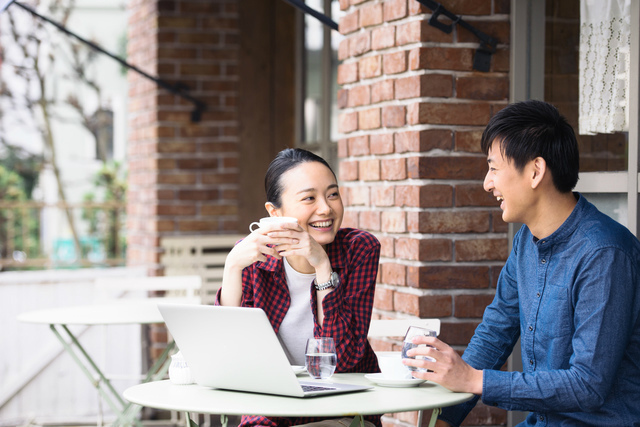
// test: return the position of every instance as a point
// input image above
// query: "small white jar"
(179, 372)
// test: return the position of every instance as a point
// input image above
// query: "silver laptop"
(235, 348)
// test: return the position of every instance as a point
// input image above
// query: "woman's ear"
(271, 209)
(539, 171)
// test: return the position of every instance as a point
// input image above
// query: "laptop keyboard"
(308, 388)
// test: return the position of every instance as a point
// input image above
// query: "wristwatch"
(333, 282)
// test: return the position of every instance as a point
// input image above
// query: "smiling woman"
(312, 278)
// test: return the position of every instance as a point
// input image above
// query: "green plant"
(18, 226)
(111, 184)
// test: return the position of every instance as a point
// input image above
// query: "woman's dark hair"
(529, 129)
(285, 160)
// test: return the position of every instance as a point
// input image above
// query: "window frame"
(527, 82)
(324, 146)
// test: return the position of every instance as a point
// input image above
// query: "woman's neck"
(300, 264)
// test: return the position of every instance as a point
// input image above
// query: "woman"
(311, 278)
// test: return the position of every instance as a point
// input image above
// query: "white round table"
(132, 311)
(379, 400)
(115, 313)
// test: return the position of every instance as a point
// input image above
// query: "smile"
(322, 224)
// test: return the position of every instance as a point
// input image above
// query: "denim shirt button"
(530, 361)
(538, 294)
(531, 328)
(544, 261)
(541, 418)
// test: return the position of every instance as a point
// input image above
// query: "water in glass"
(408, 345)
(320, 357)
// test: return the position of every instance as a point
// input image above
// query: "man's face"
(508, 185)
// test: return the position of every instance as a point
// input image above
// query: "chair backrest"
(200, 255)
(180, 288)
(398, 327)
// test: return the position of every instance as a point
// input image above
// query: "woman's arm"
(253, 248)
(347, 309)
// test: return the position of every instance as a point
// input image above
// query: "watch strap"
(331, 283)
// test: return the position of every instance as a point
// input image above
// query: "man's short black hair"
(529, 129)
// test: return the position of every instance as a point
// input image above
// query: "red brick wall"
(183, 176)
(412, 112)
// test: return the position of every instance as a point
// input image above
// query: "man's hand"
(449, 370)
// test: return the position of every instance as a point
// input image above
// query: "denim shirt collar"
(569, 226)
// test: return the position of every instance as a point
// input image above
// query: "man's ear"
(271, 209)
(538, 171)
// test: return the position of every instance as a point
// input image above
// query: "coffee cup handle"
(257, 224)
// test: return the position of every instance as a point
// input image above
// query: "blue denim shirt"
(574, 301)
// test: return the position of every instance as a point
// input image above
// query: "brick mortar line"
(433, 153)
(410, 263)
(424, 99)
(414, 45)
(421, 16)
(411, 209)
(408, 182)
(452, 236)
(436, 292)
(411, 101)
(420, 72)
(406, 129)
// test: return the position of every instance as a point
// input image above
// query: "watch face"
(335, 279)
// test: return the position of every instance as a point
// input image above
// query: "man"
(569, 290)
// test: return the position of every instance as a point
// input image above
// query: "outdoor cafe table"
(142, 312)
(378, 400)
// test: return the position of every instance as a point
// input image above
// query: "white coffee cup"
(392, 367)
(272, 220)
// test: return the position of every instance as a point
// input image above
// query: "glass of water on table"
(320, 357)
(408, 344)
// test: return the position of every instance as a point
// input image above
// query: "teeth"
(322, 224)
(500, 198)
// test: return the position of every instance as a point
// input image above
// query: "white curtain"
(604, 66)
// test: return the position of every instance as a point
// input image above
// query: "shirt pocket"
(555, 317)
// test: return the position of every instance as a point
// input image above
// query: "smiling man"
(569, 290)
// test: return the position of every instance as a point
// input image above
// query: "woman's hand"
(256, 246)
(301, 244)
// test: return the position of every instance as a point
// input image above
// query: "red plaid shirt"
(354, 255)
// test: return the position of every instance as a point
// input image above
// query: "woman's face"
(310, 194)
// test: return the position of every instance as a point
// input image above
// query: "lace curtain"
(604, 66)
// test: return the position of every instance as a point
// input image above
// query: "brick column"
(182, 175)
(413, 110)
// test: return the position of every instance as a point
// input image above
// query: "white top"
(378, 400)
(297, 325)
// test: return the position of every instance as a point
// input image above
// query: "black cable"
(319, 16)
(488, 46)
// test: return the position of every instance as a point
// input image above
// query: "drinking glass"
(408, 344)
(320, 357)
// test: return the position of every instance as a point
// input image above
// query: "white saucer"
(380, 380)
(297, 369)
